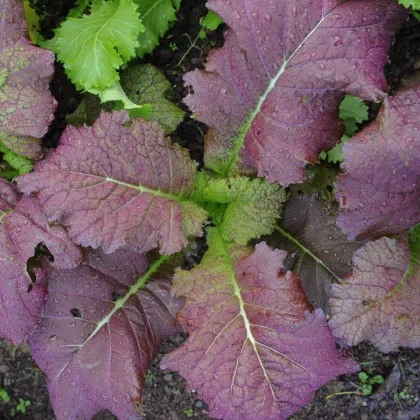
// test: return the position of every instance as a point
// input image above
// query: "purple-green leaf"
(380, 301)
(101, 329)
(255, 351)
(26, 105)
(271, 95)
(115, 185)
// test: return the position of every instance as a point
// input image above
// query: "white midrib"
(119, 304)
(243, 314)
(143, 189)
(245, 128)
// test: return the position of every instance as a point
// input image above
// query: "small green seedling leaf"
(21, 407)
(4, 395)
(367, 389)
(363, 377)
(189, 412)
(378, 379)
(212, 21)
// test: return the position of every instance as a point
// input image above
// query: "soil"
(165, 396)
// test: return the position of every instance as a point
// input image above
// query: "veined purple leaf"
(379, 192)
(115, 186)
(271, 95)
(317, 249)
(380, 301)
(26, 106)
(101, 329)
(255, 352)
(21, 231)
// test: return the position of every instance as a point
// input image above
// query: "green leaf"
(144, 86)
(32, 18)
(22, 164)
(177, 4)
(363, 377)
(4, 396)
(414, 246)
(79, 9)
(156, 16)
(415, 4)
(93, 47)
(353, 111)
(252, 206)
(320, 180)
(116, 93)
(335, 155)
(379, 379)
(212, 21)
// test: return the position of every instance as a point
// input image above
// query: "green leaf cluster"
(144, 85)
(93, 47)
(353, 111)
(156, 16)
(242, 207)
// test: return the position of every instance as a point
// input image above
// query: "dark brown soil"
(165, 397)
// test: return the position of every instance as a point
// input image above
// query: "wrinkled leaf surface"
(271, 94)
(379, 191)
(115, 186)
(21, 231)
(379, 302)
(26, 105)
(101, 329)
(254, 352)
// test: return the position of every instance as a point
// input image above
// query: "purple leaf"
(379, 192)
(115, 186)
(101, 329)
(318, 250)
(276, 85)
(21, 231)
(377, 303)
(255, 352)
(26, 106)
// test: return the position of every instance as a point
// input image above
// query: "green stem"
(193, 44)
(140, 283)
(306, 251)
(328, 397)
